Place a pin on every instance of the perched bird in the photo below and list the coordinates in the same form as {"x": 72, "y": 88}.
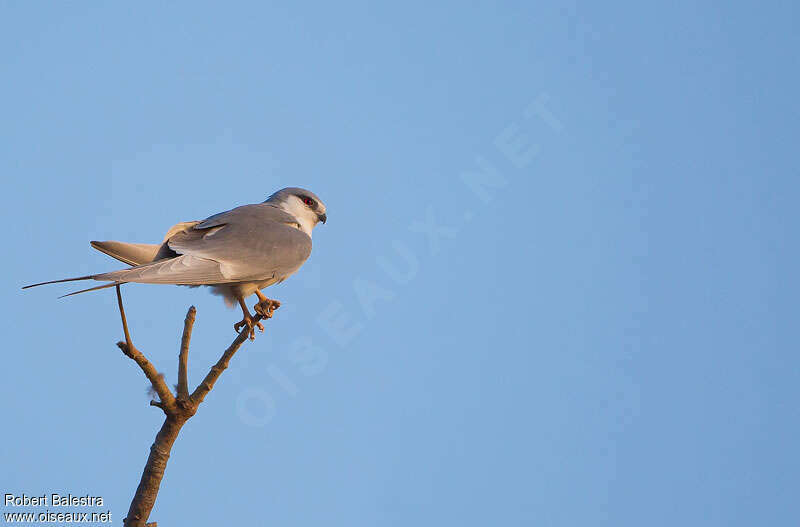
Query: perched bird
{"x": 237, "y": 253}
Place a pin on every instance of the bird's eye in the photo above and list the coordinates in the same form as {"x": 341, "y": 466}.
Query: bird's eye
{"x": 308, "y": 201}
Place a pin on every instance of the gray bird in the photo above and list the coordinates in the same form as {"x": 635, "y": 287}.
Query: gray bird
{"x": 237, "y": 253}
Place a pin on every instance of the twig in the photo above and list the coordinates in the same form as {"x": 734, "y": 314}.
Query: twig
{"x": 124, "y": 320}
{"x": 183, "y": 357}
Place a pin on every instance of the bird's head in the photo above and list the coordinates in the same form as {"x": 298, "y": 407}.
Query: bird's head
{"x": 302, "y": 204}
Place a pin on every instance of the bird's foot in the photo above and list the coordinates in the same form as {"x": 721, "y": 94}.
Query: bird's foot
{"x": 251, "y": 324}
{"x": 266, "y": 307}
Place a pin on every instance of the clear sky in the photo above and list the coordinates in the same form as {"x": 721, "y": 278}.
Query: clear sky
{"x": 557, "y": 285}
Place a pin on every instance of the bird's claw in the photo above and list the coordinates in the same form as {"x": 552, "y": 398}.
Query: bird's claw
{"x": 266, "y": 307}
{"x": 251, "y": 324}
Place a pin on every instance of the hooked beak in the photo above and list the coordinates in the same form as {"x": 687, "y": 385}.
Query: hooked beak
{"x": 322, "y": 217}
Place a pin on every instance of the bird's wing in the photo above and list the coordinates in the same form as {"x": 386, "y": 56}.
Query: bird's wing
{"x": 252, "y": 242}
{"x": 130, "y": 253}
{"x": 178, "y": 227}
{"x": 182, "y": 270}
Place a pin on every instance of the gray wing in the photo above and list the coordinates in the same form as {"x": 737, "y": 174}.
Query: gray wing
{"x": 248, "y": 243}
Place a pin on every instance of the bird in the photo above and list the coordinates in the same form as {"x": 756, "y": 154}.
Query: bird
{"x": 237, "y": 253}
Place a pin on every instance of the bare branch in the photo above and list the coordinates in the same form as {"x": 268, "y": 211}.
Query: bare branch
{"x": 127, "y": 347}
{"x": 124, "y": 320}
{"x": 146, "y": 492}
{"x": 216, "y": 370}
{"x": 183, "y": 357}
{"x": 178, "y": 412}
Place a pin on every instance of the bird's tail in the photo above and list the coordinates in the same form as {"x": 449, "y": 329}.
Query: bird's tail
{"x": 95, "y": 288}
{"x": 87, "y": 277}
{"x": 130, "y": 253}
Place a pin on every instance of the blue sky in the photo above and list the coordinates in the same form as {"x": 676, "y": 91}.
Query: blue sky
{"x": 557, "y": 284}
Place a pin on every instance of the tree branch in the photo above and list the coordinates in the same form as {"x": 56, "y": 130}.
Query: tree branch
{"x": 124, "y": 320}
{"x": 178, "y": 411}
{"x": 127, "y": 347}
{"x": 146, "y": 492}
{"x": 183, "y": 357}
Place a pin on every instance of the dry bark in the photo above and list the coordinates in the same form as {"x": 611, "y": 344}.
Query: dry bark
{"x": 177, "y": 408}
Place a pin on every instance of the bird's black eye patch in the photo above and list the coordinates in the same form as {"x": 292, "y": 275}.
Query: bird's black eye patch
{"x": 308, "y": 201}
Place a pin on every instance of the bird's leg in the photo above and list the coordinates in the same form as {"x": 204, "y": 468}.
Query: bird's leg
{"x": 248, "y": 321}
{"x": 265, "y": 306}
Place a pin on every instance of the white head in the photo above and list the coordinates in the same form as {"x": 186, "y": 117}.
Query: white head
{"x": 303, "y": 204}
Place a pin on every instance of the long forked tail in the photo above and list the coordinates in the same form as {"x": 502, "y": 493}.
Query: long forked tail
{"x": 180, "y": 270}
{"x": 95, "y": 288}
{"x": 87, "y": 277}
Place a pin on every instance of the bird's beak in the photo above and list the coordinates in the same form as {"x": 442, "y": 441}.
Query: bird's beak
{"x": 323, "y": 217}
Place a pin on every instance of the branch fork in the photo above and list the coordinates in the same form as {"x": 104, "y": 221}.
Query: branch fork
{"x": 178, "y": 407}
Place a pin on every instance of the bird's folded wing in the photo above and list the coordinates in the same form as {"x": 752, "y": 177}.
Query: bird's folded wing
{"x": 182, "y": 270}
{"x": 130, "y": 253}
{"x": 252, "y": 242}
{"x": 178, "y": 227}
